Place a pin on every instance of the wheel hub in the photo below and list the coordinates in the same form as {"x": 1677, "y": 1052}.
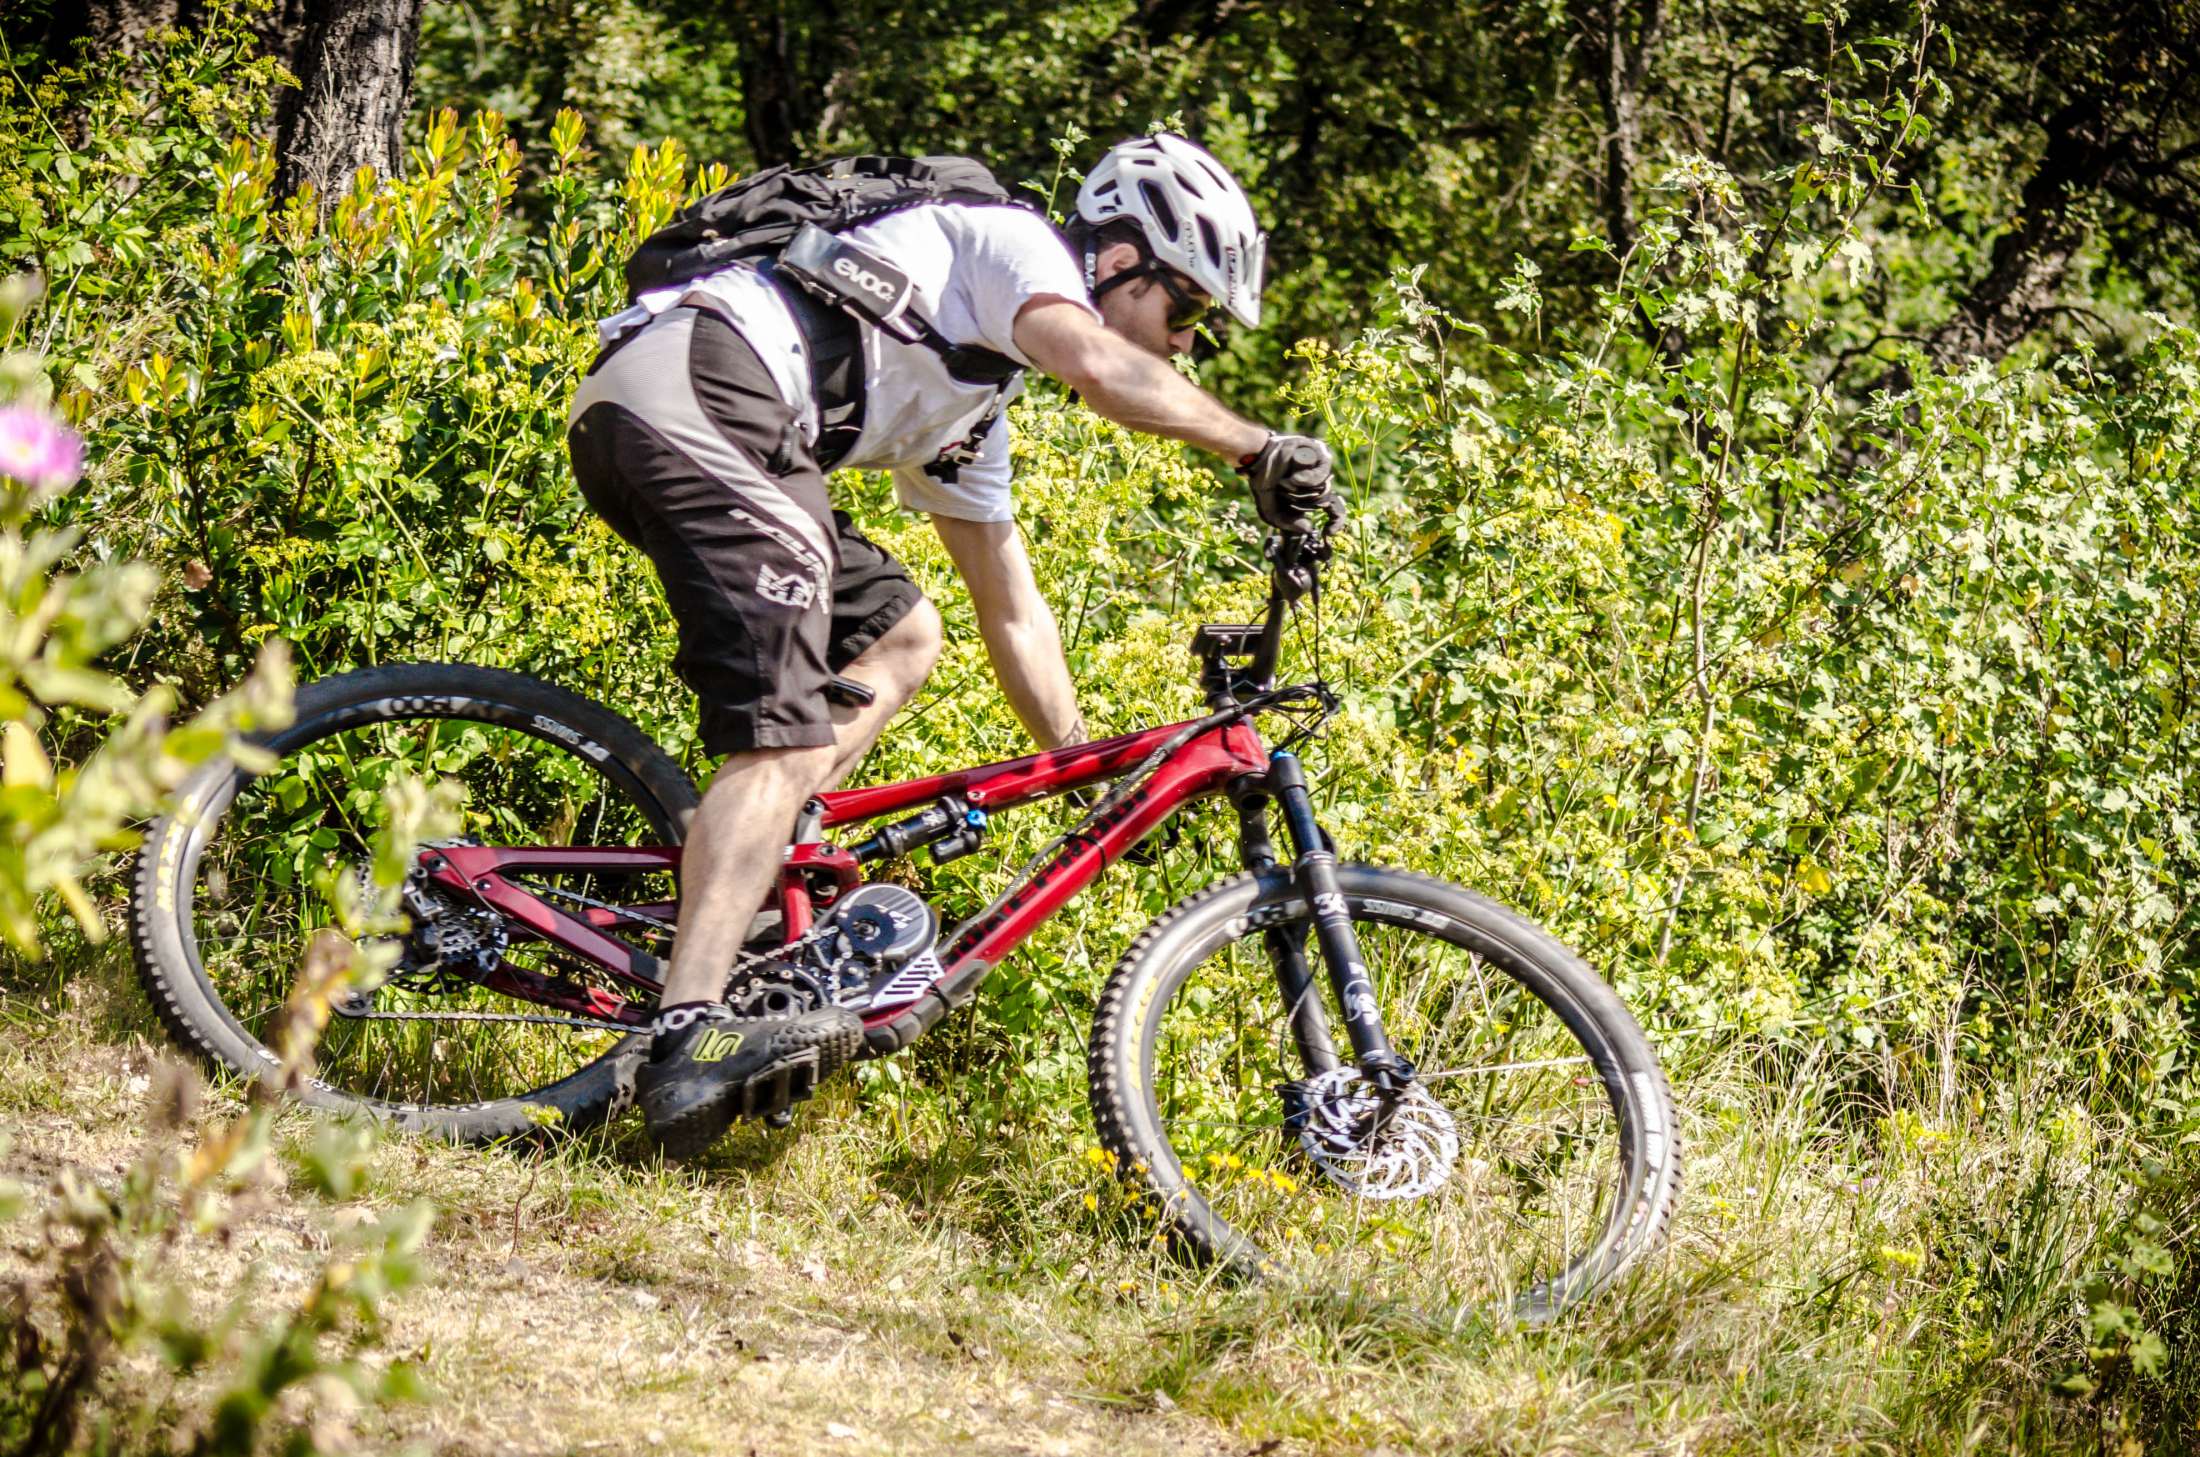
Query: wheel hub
{"x": 1337, "y": 1115}
{"x": 452, "y": 945}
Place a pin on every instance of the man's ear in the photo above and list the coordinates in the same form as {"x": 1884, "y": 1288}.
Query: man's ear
{"x": 1113, "y": 259}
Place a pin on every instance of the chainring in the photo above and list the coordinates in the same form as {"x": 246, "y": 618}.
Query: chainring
{"x": 774, "y": 989}
{"x": 1410, "y": 1156}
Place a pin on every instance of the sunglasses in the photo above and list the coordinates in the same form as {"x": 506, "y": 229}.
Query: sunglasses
{"x": 1186, "y": 310}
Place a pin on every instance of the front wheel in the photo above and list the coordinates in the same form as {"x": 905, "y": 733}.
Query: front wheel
{"x": 1536, "y": 1156}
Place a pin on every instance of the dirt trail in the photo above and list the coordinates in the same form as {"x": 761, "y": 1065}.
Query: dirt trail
{"x": 572, "y": 1327}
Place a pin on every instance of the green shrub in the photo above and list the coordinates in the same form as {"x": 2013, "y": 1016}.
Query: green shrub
{"x": 108, "y": 1273}
{"x": 1808, "y": 717}
{"x": 1852, "y": 737}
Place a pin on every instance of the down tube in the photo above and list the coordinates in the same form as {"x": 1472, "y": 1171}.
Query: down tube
{"x": 1201, "y": 768}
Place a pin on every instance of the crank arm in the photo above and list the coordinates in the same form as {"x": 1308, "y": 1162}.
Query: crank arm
{"x": 1314, "y": 867}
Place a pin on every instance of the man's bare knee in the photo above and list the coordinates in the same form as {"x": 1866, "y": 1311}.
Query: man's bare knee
{"x": 899, "y": 662}
{"x": 769, "y": 776}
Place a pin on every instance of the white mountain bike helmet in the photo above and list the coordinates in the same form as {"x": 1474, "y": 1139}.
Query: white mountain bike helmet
{"x": 1196, "y": 219}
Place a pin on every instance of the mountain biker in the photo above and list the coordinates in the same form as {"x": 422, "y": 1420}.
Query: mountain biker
{"x": 696, "y": 436}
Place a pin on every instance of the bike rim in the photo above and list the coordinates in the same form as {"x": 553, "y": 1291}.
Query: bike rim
{"x": 1512, "y": 1193}
{"x": 254, "y": 891}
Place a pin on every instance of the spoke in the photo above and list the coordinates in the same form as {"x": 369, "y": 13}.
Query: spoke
{"x": 1531, "y": 1184}
{"x": 1502, "y": 1067}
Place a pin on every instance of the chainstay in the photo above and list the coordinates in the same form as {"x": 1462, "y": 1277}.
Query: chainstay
{"x": 743, "y": 962}
{"x": 530, "y": 1018}
{"x": 536, "y": 1019}
{"x": 628, "y": 913}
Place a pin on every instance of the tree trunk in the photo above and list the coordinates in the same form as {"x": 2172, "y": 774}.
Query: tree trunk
{"x": 354, "y": 64}
{"x": 111, "y": 25}
{"x": 770, "y": 94}
{"x": 2025, "y": 274}
{"x": 1618, "y": 69}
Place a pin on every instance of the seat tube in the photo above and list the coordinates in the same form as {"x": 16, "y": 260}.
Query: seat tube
{"x": 1315, "y": 869}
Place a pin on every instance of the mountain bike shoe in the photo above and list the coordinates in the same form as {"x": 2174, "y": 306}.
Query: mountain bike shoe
{"x": 707, "y": 1067}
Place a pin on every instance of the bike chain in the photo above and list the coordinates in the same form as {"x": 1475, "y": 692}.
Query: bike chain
{"x": 531, "y": 1019}
{"x": 598, "y": 905}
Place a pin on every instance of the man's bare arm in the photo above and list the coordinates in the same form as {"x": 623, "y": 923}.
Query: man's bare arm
{"x": 1021, "y": 636}
{"x": 1126, "y": 384}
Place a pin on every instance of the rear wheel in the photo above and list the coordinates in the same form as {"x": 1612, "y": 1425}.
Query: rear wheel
{"x": 230, "y": 887}
{"x": 1535, "y": 1157}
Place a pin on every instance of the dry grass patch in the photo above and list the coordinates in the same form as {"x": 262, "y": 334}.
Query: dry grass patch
{"x": 882, "y": 1278}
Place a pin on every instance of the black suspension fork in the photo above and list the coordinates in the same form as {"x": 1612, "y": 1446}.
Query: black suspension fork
{"x": 1314, "y": 867}
{"x": 1286, "y": 944}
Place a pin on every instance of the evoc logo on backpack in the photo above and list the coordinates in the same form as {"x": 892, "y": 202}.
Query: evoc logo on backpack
{"x": 863, "y": 278}
{"x": 834, "y": 268}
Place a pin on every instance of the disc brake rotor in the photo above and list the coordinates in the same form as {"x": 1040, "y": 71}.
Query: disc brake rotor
{"x": 1409, "y": 1157}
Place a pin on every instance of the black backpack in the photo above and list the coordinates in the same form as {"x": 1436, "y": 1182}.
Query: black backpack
{"x": 785, "y": 218}
{"x": 756, "y": 217}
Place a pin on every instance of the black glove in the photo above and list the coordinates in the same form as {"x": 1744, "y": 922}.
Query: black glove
{"x": 1290, "y": 477}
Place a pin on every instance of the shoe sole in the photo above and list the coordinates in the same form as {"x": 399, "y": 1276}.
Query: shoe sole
{"x": 788, "y": 1079}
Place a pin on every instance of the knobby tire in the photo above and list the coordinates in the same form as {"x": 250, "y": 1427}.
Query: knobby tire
{"x": 649, "y": 788}
{"x": 1179, "y": 959}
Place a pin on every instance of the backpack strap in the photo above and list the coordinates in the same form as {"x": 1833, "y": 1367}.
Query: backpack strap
{"x": 857, "y": 282}
{"x": 947, "y": 466}
{"x": 834, "y": 342}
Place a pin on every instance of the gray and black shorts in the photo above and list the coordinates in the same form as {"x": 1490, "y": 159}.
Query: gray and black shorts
{"x": 681, "y": 442}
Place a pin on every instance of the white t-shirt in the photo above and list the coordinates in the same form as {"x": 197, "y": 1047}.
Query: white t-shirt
{"x": 973, "y": 267}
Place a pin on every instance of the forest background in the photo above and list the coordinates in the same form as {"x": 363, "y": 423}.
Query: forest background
{"x": 1773, "y": 565}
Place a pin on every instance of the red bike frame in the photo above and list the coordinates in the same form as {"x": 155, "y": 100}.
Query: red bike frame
{"x": 818, "y": 872}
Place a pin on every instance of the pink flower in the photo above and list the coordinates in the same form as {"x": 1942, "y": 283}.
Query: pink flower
{"x": 38, "y": 450}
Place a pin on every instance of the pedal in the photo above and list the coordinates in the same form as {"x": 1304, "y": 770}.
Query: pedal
{"x": 848, "y": 693}
{"x": 779, "y": 1118}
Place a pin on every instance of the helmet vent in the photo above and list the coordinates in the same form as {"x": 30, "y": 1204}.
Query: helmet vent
{"x": 1211, "y": 241}
{"x": 1157, "y": 204}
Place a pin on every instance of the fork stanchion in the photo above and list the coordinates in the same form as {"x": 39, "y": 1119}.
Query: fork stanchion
{"x": 1286, "y": 945}
{"x": 1314, "y": 866}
